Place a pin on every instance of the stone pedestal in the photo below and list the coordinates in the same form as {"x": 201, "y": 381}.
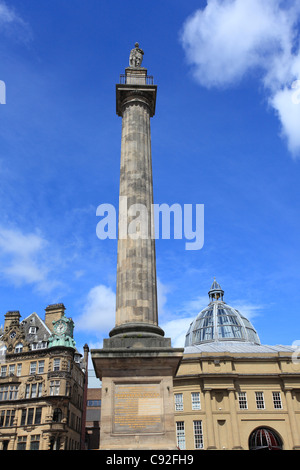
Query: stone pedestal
{"x": 137, "y": 409}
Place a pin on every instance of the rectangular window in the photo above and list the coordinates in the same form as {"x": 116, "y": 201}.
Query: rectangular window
{"x": 11, "y": 369}
{"x": 34, "y": 442}
{"x": 2, "y": 416}
{"x": 32, "y": 368}
{"x": 3, "y": 392}
{"x": 277, "y": 400}
{"x": 33, "y": 390}
{"x": 196, "y": 401}
{"x": 27, "y": 391}
{"x": 56, "y": 364}
{"x": 9, "y": 419}
{"x": 8, "y": 392}
{"x": 178, "y": 401}
{"x": 243, "y": 401}
{"x": 38, "y": 345}
{"x": 30, "y": 415}
{"x": 38, "y": 416}
{"x": 19, "y": 369}
{"x": 13, "y": 392}
{"x": 12, "y": 417}
{"x": 260, "y": 402}
{"x": 198, "y": 435}
{"x": 40, "y": 389}
{"x": 3, "y": 371}
{"x": 94, "y": 403}
{"x": 54, "y": 387}
{"x": 180, "y": 435}
{"x": 41, "y": 367}
{"x": 21, "y": 445}
{"x": 23, "y": 417}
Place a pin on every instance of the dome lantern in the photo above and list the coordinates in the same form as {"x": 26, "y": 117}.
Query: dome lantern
{"x": 215, "y": 292}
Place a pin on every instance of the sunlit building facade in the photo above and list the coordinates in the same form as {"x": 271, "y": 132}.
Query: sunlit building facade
{"x": 231, "y": 391}
{"x": 42, "y": 383}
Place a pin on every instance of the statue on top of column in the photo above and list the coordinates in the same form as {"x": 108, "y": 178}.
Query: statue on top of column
{"x": 136, "y": 56}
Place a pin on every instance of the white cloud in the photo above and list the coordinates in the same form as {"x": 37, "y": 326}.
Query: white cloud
{"x": 7, "y": 15}
{"x": 288, "y": 110}
{"x": 247, "y": 309}
{"x": 162, "y": 291}
{"x": 19, "y": 255}
{"x": 12, "y": 24}
{"x": 230, "y": 38}
{"x": 99, "y": 310}
{"x": 177, "y": 326}
{"x": 176, "y": 329}
{"x": 26, "y": 258}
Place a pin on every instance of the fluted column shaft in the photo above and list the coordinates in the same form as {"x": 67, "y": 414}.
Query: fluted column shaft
{"x": 136, "y": 269}
{"x": 136, "y": 299}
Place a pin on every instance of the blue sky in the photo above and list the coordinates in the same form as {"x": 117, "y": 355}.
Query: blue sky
{"x": 225, "y": 134}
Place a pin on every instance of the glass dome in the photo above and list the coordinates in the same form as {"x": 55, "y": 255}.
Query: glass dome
{"x": 220, "y": 322}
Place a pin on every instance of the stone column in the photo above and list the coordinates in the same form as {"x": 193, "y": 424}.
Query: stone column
{"x": 136, "y": 296}
{"x": 137, "y": 363}
{"x": 292, "y": 419}
{"x": 211, "y": 441}
{"x": 136, "y": 299}
{"x": 234, "y": 420}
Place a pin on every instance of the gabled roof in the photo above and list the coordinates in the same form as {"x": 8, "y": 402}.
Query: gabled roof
{"x": 42, "y": 332}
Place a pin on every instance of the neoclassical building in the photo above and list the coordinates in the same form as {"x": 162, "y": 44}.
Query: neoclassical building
{"x": 231, "y": 391}
{"x": 42, "y": 383}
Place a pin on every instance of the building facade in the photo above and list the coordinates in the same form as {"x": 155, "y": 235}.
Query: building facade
{"x": 42, "y": 383}
{"x": 93, "y": 414}
{"x": 232, "y": 392}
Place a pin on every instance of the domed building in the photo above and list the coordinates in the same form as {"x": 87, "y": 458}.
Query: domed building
{"x": 231, "y": 391}
{"x": 220, "y": 322}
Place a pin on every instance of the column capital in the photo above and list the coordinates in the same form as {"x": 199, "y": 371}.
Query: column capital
{"x": 127, "y": 94}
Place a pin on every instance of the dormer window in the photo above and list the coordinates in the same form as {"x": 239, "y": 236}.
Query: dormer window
{"x": 39, "y": 345}
{"x": 19, "y": 348}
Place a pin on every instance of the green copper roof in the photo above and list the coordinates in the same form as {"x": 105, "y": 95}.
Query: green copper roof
{"x": 62, "y": 340}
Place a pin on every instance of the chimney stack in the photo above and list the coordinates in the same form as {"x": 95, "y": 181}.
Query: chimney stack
{"x": 53, "y": 313}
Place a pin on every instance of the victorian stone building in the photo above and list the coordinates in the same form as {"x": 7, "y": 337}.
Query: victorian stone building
{"x": 42, "y": 383}
{"x": 231, "y": 391}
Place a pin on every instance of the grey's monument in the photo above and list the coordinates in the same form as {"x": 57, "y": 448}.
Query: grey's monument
{"x": 137, "y": 363}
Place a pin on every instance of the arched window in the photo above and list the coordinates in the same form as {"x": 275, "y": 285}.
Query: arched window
{"x": 264, "y": 439}
{"x": 57, "y": 415}
{"x": 18, "y": 348}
